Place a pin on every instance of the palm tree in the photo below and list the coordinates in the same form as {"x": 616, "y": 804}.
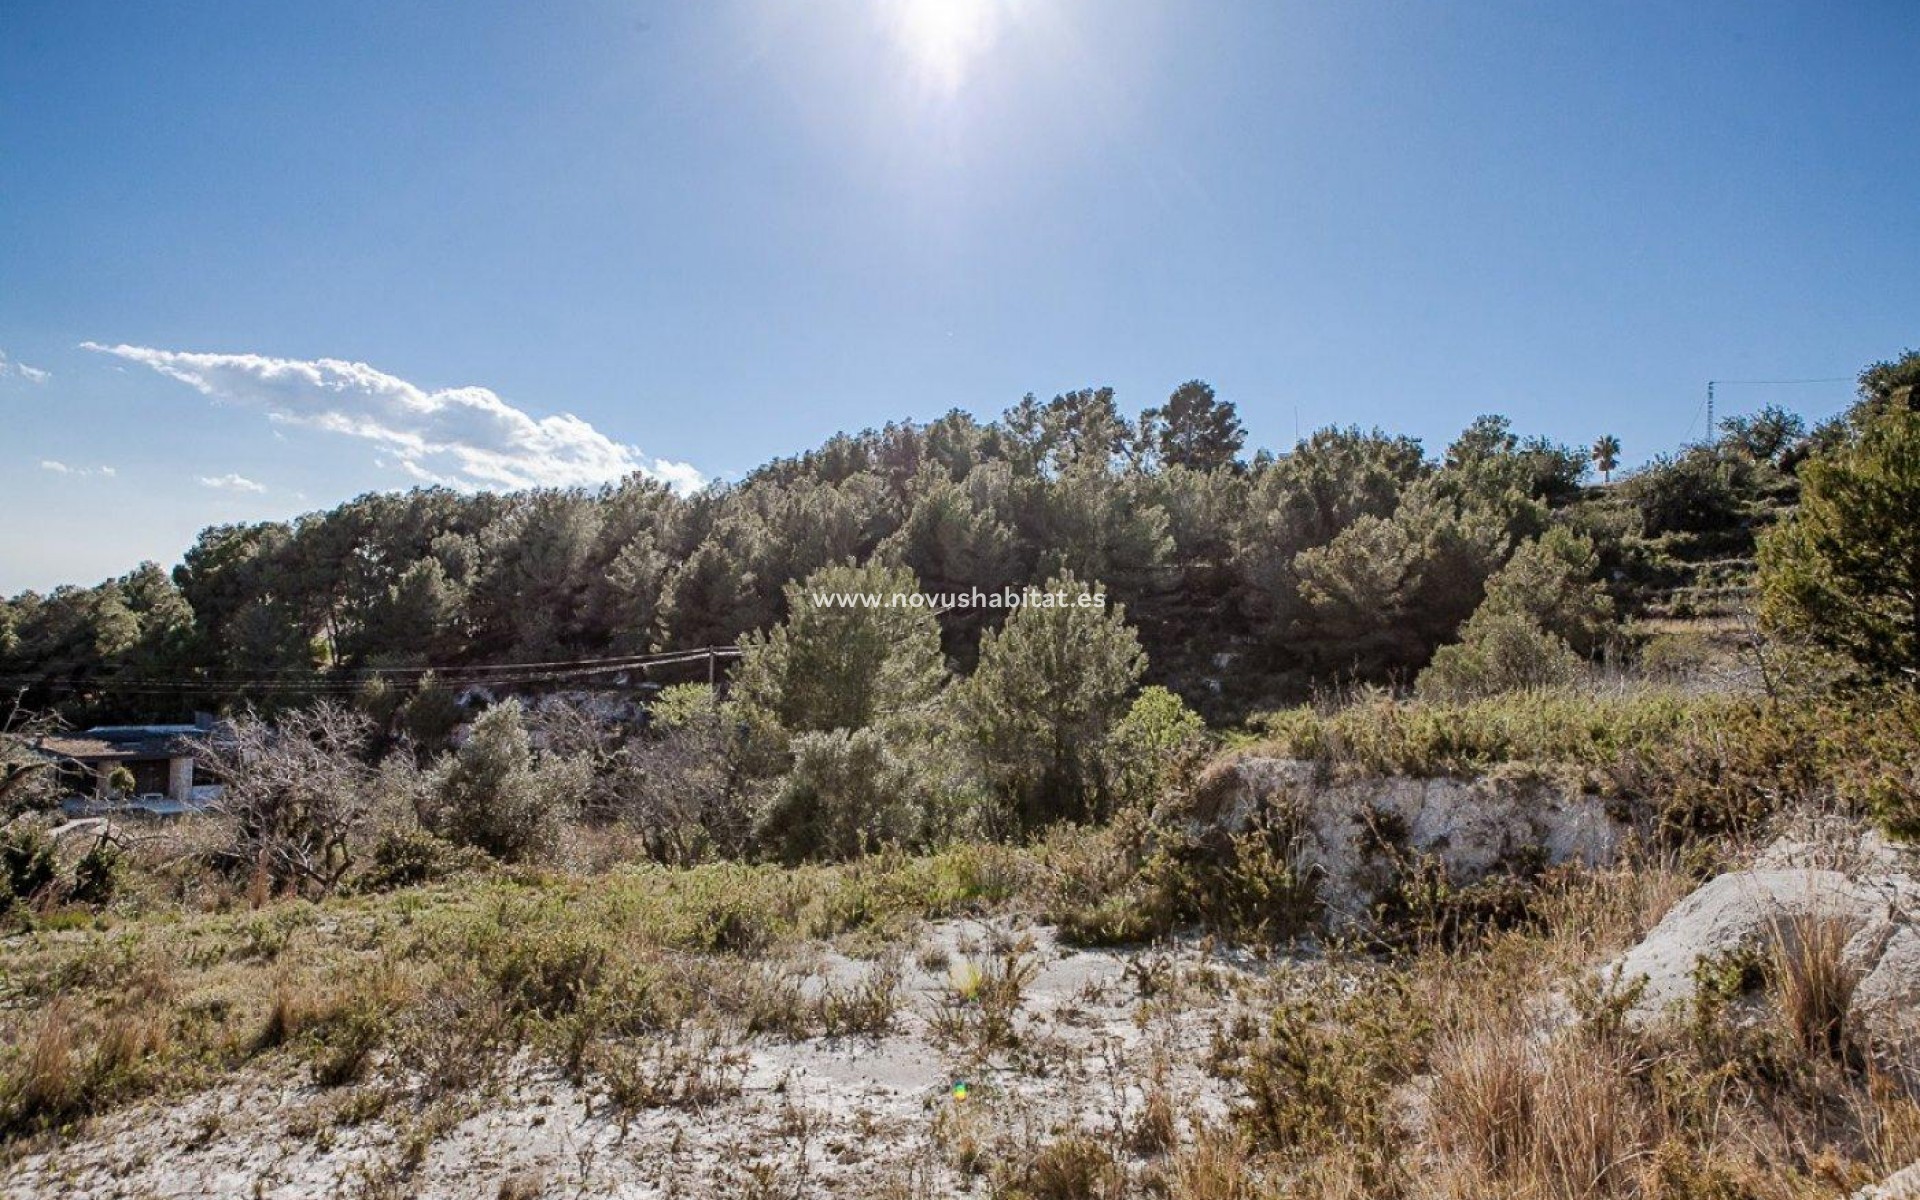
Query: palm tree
{"x": 1606, "y": 455}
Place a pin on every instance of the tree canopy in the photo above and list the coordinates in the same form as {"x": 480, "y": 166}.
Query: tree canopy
{"x": 1844, "y": 570}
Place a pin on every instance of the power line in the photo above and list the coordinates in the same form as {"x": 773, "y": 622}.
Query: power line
{"x": 499, "y": 675}
{"x": 611, "y": 662}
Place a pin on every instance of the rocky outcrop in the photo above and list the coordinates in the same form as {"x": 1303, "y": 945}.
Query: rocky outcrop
{"x": 1869, "y": 907}
{"x": 1354, "y": 828}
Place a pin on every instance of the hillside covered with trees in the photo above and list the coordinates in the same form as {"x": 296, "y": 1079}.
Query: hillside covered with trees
{"x": 1355, "y": 556}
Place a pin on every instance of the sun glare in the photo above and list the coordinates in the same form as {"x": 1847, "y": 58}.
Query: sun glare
{"x": 943, "y": 38}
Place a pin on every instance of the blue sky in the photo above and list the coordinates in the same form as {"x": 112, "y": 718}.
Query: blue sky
{"x": 323, "y": 248}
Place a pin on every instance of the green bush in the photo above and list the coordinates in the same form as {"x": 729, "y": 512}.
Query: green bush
{"x": 1158, "y": 740}
{"x": 1422, "y": 906}
{"x": 1542, "y": 611}
{"x": 847, "y": 795}
{"x": 1134, "y": 880}
{"x": 1259, "y": 890}
{"x": 1879, "y": 747}
{"x": 97, "y": 875}
{"x": 1430, "y": 737}
{"x": 1051, "y": 686}
{"x": 683, "y": 706}
{"x": 1676, "y": 656}
{"x": 548, "y": 971}
{"x": 1844, "y": 570}
{"x": 1499, "y": 652}
{"x": 26, "y": 865}
{"x": 1704, "y": 490}
{"x": 1321, "y": 1076}
{"x": 494, "y": 797}
{"x": 407, "y": 856}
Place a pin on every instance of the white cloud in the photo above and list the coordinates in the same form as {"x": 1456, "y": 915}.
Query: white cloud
{"x": 13, "y": 366}
{"x": 681, "y": 477}
{"x": 60, "y": 468}
{"x": 231, "y": 483}
{"x": 466, "y": 436}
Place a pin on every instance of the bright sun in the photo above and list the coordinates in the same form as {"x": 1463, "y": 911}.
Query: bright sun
{"x": 944, "y": 37}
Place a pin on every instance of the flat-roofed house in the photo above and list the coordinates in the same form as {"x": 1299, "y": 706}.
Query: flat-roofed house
{"x": 160, "y": 758}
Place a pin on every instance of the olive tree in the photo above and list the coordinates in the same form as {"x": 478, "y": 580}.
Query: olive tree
{"x": 493, "y": 795}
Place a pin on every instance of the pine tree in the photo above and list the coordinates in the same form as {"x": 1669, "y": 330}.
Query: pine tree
{"x": 1844, "y": 570}
{"x": 1195, "y": 429}
{"x": 844, "y": 665}
{"x": 1052, "y": 682}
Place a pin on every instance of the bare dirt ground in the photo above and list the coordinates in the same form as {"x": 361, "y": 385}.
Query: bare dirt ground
{"x": 1098, "y": 1043}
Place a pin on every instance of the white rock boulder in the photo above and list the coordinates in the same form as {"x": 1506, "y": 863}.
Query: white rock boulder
{"x": 1755, "y": 911}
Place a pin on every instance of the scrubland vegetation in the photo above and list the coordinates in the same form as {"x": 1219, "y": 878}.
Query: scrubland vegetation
{"x": 893, "y": 831}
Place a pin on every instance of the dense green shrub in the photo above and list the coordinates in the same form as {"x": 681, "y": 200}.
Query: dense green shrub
{"x": 493, "y": 796}
{"x": 1321, "y": 1075}
{"x": 1136, "y": 879}
{"x": 1158, "y": 740}
{"x": 27, "y": 866}
{"x": 1259, "y": 889}
{"x": 1542, "y": 611}
{"x": 1876, "y": 752}
{"x": 96, "y": 876}
{"x": 1703, "y": 490}
{"x": 404, "y": 857}
{"x": 848, "y": 794}
{"x": 1844, "y": 570}
{"x": 1499, "y": 652}
{"x": 1423, "y": 906}
{"x": 1429, "y": 738}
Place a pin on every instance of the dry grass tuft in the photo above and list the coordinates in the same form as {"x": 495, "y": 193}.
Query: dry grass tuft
{"x": 1588, "y": 1125}
{"x": 1561, "y": 1122}
{"x": 865, "y": 1006}
{"x": 1484, "y": 1092}
{"x": 980, "y": 1015}
{"x": 691, "y": 1072}
{"x": 47, "y": 1087}
{"x": 1813, "y": 983}
{"x": 292, "y": 1009}
{"x": 1216, "y": 1166}
{"x": 1156, "y": 1128}
{"x": 521, "y": 1186}
{"x": 1074, "y": 1167}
